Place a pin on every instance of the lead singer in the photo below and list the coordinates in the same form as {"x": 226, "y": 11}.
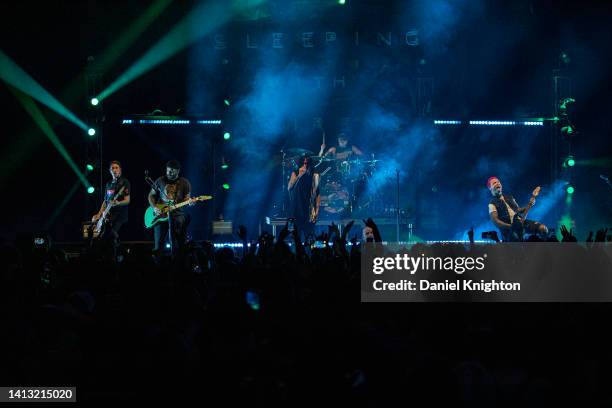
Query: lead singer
{"x": 304, "y": 197}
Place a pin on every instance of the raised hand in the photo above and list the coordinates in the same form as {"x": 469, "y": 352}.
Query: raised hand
{"x": 333, "y": 229}
{"x": 601, "y": 235}
{"x": 568, "y": 236}
{"x": 590, "y": 237}
{"x": 284, "y": 233}
{"x": 370, "y": 223}
{"x": 346, "y": 230}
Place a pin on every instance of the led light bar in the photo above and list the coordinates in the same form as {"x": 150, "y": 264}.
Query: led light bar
{"x": 171, "y": 121}
{"x": 447, "y": 122}
{"x": 493, "y": 122}
{"x": 208, "y": 122}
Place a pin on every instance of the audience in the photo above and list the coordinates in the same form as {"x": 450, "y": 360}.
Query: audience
{"x": 280, "y": 321}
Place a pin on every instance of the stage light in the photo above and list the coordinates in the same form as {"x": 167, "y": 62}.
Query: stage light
{"x": 569, "y": 189}
{"x": 227, "y": 135}
{"x": 168, "y": 246}
{"x": 91, "y": 189}
{"x": 447, "y": 122}
{"x": 89, "y": 167}
{"x": 569, "y": 162}
{"x": 342, "y": 2}
{"x": 164, "y": 122}
{"x": 493, "y": 122}
{"x": 209, "y": 122}
{"x": 564, "y": 58}
{"x": 226, "y": 102}
{"x": 567, "y": 130}
{"x": 94, "y": 101}
{"x": 226, "y": 186}
{"x": 91, "y": 132}
{"x": 224, "y": 164}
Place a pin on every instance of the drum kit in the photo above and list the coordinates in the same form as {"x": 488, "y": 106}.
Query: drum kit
{"x": 343, "y": 181}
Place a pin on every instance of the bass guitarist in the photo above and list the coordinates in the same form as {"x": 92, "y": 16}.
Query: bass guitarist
{"x": 170, "y": 189}
{"x": 117, "y": 198}
{"x": 508, "y": 217}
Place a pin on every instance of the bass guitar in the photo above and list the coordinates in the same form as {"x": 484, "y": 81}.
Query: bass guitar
{"x": 97, "y": 230}
{"x": 151, "y": 219}
{"x": 518, "y": 230}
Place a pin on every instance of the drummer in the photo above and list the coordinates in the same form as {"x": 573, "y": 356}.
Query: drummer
{"x": 343, "y": 151}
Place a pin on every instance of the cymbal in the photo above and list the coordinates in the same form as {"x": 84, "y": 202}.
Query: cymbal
{"x": 296, "y": 151}
{"x": 322, "y": 158}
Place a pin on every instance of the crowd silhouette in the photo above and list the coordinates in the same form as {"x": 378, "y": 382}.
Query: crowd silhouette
{"x": 280, "y": 321}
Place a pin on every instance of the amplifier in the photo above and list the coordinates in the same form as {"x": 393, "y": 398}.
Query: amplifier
{"x": 222, "y": 228}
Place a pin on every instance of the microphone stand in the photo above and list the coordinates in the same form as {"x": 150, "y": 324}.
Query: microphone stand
{"x": 397, "y": 210}
{"x": 151, "y": 183}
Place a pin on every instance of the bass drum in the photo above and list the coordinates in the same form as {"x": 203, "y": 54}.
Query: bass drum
{"x": 335, "y": 200}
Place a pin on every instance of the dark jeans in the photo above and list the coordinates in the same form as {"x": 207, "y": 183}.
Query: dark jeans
{"x": 109, "y": 240}
{"x": 179, "y": 233}
{"x": 529, "y": 227}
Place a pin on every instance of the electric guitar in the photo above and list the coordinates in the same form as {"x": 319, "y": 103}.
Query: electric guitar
{"x": 151, "y": 219}
{"x": 517, "y": 230}
{"x": 102, "y": 220}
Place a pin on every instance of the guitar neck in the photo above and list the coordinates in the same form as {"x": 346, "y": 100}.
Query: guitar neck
{"x": 528, "y": 206}
{"x": 179, "y": 205}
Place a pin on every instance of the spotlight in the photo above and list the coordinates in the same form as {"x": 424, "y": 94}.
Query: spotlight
{"x": 567, "y": 130}
{"x": 226, "y": 186}
{"x": 91, "y": 189}
{"x": 94, "y": 101}
{"x": 168, "y": 246}
{"x": 569, "y": 162}
{"x": 91, "y": 132}
{"x": 564, "y": 58}
{"x": 227, "y": 135}
{"x": 226, "y": 102}
{"x": 224, "y": 164}
{"x": 342, "y": 2}
{"x": 89, "y": 167}
{"x": 569, "y": 189}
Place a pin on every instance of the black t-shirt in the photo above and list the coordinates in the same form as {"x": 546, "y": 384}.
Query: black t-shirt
{"x": 173, "y": 191}
{"x": 112, "y": 188}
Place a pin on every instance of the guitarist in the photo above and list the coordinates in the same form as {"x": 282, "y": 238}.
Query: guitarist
{"x": 502, "y": 210}
{"x": 117, "y": 195}
{"x": 170, "y": 189}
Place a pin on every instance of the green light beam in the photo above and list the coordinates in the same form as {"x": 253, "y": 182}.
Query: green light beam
{"x": 41, "y": 121}
{"x": 13, "y": 75}
{"x": 605, "y": 162}
{"x": 197, "y": 24}
{"x": 27, "y": 142}
{"x": 58, "y": 210}
{"x": 129, "y": 36}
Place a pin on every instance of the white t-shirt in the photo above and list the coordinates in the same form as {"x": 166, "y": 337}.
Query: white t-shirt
{"x": 511, "y": 212}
